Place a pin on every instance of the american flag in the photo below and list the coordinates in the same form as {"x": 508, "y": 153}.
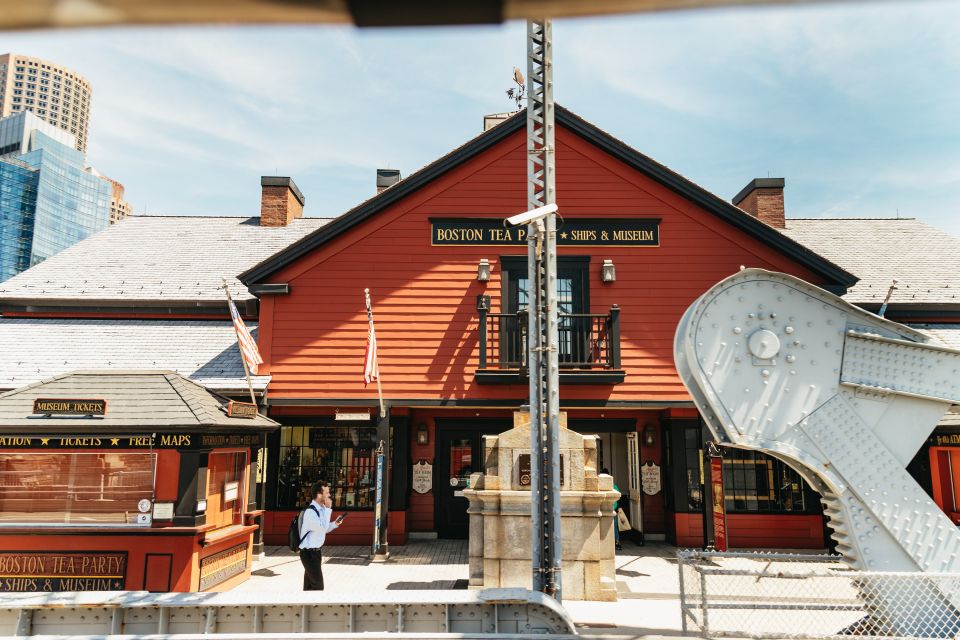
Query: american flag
{"x": 371, "y": 368}
{"x": 248, "y": 346}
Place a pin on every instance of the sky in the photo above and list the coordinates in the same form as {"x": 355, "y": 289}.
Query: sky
{"x": 855, "y": 105}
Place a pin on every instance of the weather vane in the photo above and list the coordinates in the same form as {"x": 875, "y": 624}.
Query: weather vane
{"x": 518, "y": 94}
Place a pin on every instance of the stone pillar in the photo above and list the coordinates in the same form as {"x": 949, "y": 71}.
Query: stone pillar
{"x": 499, "y": 513}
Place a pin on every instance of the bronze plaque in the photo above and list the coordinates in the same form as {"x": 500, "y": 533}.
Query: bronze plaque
{"x": 523, "y": 463}
{"x": 222, "y": 566}
{"x": 69, "y": 407}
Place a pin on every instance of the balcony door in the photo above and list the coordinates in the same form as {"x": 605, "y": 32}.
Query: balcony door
{"x": 573, "y": 299}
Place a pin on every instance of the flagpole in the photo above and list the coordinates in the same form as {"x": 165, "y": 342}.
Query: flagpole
{"x": 366, "y": 295}
{"x": 246, "y": 369}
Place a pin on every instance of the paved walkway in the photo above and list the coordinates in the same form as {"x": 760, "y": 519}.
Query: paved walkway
{"x": 647, "y": 581}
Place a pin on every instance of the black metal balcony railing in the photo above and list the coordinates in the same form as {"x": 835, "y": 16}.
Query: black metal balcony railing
{"x": 587, "y": 341}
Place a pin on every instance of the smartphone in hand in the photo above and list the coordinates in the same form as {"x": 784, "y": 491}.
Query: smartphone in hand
{"x": 340, "y": 518}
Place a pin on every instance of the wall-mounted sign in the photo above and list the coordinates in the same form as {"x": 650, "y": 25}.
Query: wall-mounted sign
{"x": 127, "y": 441}
{"x": 571, "y": 232}
{"x": 523, "y": 469}
{"x": 650, "y": 478}
{"x": 163, "y": 511}
{"x": 69, "y": 407}
{"x": 946, "y": 440}
{"x": 422, "y": 477}
{"x": 222, "y": 566}
{"x": 231, "y": 490}
{"x": 26, "y": 571}
{"x": 241, "y": 409}
{"x": 355, "y": 415}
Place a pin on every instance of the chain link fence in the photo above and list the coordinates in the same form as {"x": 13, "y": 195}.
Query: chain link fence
{"x": 780, "y": 595}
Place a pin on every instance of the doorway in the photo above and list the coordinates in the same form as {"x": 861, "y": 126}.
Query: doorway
{"x": 459, "y": 454}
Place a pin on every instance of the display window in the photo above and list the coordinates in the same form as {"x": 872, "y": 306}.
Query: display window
{"x": 76, "y": 489}
{"x": 344, "y": 456}
{"x": 753, "y": 482}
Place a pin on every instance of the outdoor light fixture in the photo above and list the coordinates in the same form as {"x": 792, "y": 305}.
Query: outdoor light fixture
{"x": 423, "y": 436}
{"x": 608, "y": 273}
{"x": 649, "y": 435}
{"x": 483, "y": 270}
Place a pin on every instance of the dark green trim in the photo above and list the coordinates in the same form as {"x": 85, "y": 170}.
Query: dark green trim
{"x": 833, "y": 274}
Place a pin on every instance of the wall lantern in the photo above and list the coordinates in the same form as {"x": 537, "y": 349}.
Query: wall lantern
{"x": 423, "y": 436}
{"x": 483, "y": 270}
{"x": 608, "y": 273}
{"x": 649, "y": 435}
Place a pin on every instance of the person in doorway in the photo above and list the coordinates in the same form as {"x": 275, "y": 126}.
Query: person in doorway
{"x": 616, "y": 509}
{"x": 315, "y": 524}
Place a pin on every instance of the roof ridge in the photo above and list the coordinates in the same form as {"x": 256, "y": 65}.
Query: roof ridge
{"x": 174, "y": 380}
{"x": 591, "y": 134}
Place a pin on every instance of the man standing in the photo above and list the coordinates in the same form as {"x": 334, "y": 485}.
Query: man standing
{"x": 315, "y": 524}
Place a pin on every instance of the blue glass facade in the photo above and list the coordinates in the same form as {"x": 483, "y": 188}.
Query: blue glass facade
{"x": 68, "y": 204}
{"x": 18, "y": 201}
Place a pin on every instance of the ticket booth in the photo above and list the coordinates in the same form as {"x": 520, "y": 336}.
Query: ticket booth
{"x": 126, "y": 481}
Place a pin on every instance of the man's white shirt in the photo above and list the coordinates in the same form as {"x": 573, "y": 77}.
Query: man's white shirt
{"x": 314, "y": 528}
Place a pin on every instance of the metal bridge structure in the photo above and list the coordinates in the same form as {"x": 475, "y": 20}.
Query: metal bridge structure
{"x": 181, "y": 616}
{"x": 846, "y": 398}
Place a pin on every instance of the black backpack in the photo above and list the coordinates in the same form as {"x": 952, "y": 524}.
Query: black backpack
{"x": 294, "y": 539}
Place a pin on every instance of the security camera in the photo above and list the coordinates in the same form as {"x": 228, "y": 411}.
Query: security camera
{"x": 530, "y": 216}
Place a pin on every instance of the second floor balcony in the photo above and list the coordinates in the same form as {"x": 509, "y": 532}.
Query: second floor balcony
{"x": 588, "y": 347}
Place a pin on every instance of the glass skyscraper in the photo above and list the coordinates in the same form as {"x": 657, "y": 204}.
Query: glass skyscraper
{"x": 48, "y": 201}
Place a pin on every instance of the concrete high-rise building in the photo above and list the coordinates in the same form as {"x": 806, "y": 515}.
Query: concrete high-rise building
{"x": 119, "y": 208}
{"x": 49, "y": 199}
{"x": 56, "y": 94}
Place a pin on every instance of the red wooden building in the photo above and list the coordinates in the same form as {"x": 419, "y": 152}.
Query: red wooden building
{"x": 451, "y": 339}
{"x": 638, "y": 243}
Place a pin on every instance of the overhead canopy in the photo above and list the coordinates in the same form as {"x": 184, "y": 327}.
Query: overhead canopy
{"x": 16, "y": 14}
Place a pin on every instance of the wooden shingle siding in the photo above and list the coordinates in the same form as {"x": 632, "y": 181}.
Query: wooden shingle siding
{"x": 424, "y": 297}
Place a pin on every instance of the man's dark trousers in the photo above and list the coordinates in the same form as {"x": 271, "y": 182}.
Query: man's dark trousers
{"x": 312, "y": 560}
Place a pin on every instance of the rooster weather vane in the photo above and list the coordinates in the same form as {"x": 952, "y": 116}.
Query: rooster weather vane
{"x": 518, "y": 94}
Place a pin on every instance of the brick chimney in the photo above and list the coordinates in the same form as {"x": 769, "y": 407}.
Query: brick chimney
{"x": 281, "y": 201}
{"x": 386, "y": 178}
{"x": 763, "y": 199}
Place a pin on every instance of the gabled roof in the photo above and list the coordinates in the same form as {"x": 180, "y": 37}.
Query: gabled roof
{"x": 839, "y": 278}
{"x": 136, "y": 401}
{"x": 170, "y": 260}
{"x": 924, "y": 260}
{"x": 35, "y": 349}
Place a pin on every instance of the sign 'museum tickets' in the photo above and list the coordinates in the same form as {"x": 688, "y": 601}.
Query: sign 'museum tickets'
{"x": 574, "y": 232}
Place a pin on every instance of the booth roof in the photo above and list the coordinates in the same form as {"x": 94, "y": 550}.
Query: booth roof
{"x": 136, "y": 401}
{"x": 205, "y": 351}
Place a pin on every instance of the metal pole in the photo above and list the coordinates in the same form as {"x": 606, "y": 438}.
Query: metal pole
{"x": 543, "y": 332}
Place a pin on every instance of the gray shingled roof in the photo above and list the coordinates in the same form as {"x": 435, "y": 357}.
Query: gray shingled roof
{"x": 948, "y": 334}
{"x": 205, "y": 351}
{"x": 157, "y": 258}
{"x": 923, "y": 259}
{"x": 136, "y": 400}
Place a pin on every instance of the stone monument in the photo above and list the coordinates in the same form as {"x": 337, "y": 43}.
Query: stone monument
{"x": 499, "y": 511}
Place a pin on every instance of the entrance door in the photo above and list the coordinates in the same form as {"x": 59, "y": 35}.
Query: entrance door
{"x": 459, "y": 454}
